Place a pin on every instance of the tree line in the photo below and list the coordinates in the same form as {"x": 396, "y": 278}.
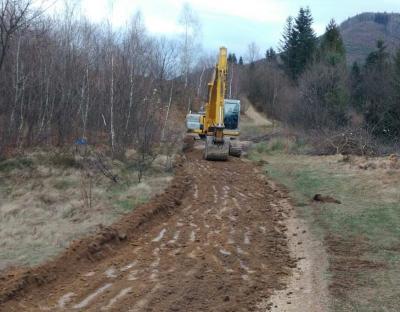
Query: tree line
{"x": 308, "y": 84}
{"x": 65, "y": 78}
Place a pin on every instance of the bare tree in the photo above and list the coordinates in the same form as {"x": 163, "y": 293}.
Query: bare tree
{"x": 191, "y": 30}
{"x": 253, "y": 52}
{"x": 64, "y": 78}
{"x": 148, "y": 132}
{"x": 15, "y": 16}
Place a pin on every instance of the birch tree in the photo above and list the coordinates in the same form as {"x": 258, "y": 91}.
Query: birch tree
{"x": 190, "y": 23}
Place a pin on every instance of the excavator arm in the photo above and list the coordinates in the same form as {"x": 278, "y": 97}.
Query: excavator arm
{"x": 217, "y": 146}
{"x": 214, "y": 118}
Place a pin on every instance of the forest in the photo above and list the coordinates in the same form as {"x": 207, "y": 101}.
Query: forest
{"x": 309, "y": 87}
{"x": 65, "y": 79}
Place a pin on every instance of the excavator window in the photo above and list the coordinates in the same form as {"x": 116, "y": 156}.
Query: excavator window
{"x": 231, "y": 114}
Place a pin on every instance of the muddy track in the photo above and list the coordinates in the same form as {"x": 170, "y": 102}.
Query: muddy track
{"x": 214, "y": 242}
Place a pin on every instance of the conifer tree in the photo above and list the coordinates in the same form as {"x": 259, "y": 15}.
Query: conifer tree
{"x": 396, "y": 78}
{"x": 378, "y": 59}
{"x": 377, "y": 90}
{"x": 306, "y": 41}
{"x": 298, "y": 43}
{"x": 394, "y": 113}
{"x": 270, "y": 55}
{"x": 356, "y": 87}
{"x": 332, "y": 48}
{"x": 288, "y": 48}
{"x": 234, "y": 59}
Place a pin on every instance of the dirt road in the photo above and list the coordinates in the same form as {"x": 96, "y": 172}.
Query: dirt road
{"x": 214, "y": 242}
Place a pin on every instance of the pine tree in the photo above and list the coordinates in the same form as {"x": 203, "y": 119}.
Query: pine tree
{"x": 378, "y": 91}
{"x": 240, "y": 60}
{"x": 396, "y": 79}
{"x": 306, "y": 40}
{"x": 332, "y": 48}
{"x": 325, "y": 78}
{"x": 270, "y": 55}
{"x": 298, "y": 43}
{"x": 393, "y": 115}
{"x": 234, "y": 59}
{"x": 288, "y": 48}
{"x": 378, "y": 59}
{"x": 356, "y": 87}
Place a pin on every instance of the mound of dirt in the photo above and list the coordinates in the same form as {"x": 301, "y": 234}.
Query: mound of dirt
{"x": 326, "y": 199}
{"x": 347, "y": 262}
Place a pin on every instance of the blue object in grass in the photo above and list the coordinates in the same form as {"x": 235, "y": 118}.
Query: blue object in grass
{"x": 81, "y": 142}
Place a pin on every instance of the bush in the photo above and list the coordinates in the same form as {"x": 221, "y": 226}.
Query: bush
{"x": 345, "y": 141}
{"x": 277, "y": 144}
{"x": 324, "y": 98}
{"x": 15, "y": 163}
{"x": 64, "y": 160}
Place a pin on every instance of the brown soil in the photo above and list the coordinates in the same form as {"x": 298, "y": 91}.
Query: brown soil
{"x": 347, "y": 262}
{"x": 215, "y": 241}
{"x": 307, "y": 288}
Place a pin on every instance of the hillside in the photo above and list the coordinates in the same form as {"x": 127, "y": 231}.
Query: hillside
{"x": 361, "y": 32}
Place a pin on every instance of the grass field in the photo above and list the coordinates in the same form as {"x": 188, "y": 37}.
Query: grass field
{"x": 361, "y": 235}
{"x": 48, "y": 199}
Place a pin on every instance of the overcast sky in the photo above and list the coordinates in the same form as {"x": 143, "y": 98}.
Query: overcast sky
{"x": 234, "y": 23}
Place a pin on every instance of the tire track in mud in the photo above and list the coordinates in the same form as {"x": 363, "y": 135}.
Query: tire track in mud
{"x": 220, "y": 249}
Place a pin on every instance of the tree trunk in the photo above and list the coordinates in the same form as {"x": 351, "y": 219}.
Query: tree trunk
{"x": 112, "y": 130}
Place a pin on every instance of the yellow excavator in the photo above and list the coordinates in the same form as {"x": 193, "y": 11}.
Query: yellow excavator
{"x": 219, "y": 124}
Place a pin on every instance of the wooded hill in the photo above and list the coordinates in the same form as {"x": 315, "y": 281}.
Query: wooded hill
{"x": 361, "y": 32}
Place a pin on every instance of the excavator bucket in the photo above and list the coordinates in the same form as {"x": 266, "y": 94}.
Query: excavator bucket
{"x": 216, "y": 151}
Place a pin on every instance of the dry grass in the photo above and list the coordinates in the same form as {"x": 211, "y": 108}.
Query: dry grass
{"x": 42, "y": 208}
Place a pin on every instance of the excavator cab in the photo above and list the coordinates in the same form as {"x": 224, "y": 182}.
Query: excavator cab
{"x": 232, "y": 116}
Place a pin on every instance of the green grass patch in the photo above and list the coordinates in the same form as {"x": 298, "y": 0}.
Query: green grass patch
{"x": 129, "y": 204}
{"x": 279, "y": 144}
{"x": 365, "y": 212}
{"x": 15, "y": 163}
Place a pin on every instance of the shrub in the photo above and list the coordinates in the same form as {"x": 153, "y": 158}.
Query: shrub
{"x": 64, "y": 160}
{"x": 15, "y": 163}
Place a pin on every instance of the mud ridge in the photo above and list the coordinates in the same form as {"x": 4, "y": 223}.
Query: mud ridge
{"x": 104, "y": 243}
{"x": 215, "y": 241}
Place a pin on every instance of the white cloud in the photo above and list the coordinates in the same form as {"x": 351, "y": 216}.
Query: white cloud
{"x": 161, "y": 26}
{"x": 319, "y": 28}
{"x": 96, "y": 10}
{"x": 162, "y": 15}
{"x": 234, "y": 22}
{"x": 253, "y": 10}
{"x": 230, "y": 22}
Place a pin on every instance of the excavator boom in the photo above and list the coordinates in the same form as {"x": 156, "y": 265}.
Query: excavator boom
{"x": 216, "y": 94}
{"x": 216, "y": 125}
{"x": 217, "y": 146}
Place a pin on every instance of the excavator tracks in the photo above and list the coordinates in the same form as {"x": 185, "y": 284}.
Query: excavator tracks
{"x": 235, "y": 148}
